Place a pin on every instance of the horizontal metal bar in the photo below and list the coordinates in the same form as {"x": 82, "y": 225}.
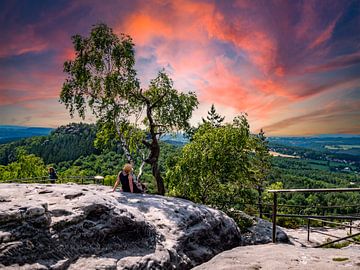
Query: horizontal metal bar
{"x": 325, "y": 217}
{"x": 311, "y": 206}
{"x": 336, "y": 223}
{"x": 337, "y": 237}
{"x": 314, "y": 190}
{"x": 338, "y": 240}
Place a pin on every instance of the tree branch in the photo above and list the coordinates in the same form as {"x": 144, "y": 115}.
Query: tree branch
{"x": 146, "y": 143}
{"x": 158, "y": 100}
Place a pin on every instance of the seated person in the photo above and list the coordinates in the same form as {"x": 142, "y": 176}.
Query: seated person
{"x": 126, "y": 179}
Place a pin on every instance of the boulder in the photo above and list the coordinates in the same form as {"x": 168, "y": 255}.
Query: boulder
{"x": 89, "y": 227}
{"x": 260, "y": 231}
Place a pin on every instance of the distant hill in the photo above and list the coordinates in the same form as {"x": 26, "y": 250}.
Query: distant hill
{"x": 178, "y": 139}
{"x": 337, "y": 148}
{"x": 14, "y": 133}
{"x": 65, "y": 143}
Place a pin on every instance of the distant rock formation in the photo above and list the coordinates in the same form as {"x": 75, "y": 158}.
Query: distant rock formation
{"x": 88, "y": 227}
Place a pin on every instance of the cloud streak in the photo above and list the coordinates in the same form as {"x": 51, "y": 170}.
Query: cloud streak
{"x": 266, "y": 58}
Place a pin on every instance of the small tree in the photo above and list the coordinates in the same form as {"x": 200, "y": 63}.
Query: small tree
{"x": 26, "y": 166}
{"x": 215, "y": 168}
{"x": 264, "y": 166}
{"x": 213, "y": 117}
{"x": 103, "y": 77}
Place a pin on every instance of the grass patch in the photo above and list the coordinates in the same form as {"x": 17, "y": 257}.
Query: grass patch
{"x": 340, "y": 259}
{"x": 337, "y": 245}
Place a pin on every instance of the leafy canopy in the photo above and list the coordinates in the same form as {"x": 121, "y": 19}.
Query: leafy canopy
{"x": 103, "y": 77}
{"x": 217, "y": 166}
{"x": 26, "y": 166}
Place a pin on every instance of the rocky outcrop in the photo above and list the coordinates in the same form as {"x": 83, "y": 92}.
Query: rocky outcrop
{"x": 260, "y": 231}
{"x": 89, "y": 227}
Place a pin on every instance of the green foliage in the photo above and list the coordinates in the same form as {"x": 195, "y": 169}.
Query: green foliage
{"x": 300, "y": 173}
{"x": 102, "y": 74}
{"x": 65, "y": 143}
{"x": 106, "y": 164}
{"x": 110, "y": 180}
{"x": 337, "y": 245}
{"x": 26, "y": 166}
{"x": 171, "y": 109}
{"x": 103, "y": 77}
{"x": 213, "y": 119}
{"x": 242, "y": 220}
{"x": 340, "y": 259}
{"x": 217, "y": 167}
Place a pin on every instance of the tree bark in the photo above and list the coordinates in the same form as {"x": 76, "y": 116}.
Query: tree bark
{"x": 159, "y": 179}
{"x": 124, "y": 146}
{"x": 154, "y": 148}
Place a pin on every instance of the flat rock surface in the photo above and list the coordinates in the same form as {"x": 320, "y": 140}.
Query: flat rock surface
{"x": 284, "y": 256}
{"x": 319, "y": 235}
{"x": 72, "y": 226}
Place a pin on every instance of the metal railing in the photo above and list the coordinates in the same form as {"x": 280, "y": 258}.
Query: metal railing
{"x": 61, "y": 179}
{"x": 311, "y": 217}
{"x": 338, "y": 238}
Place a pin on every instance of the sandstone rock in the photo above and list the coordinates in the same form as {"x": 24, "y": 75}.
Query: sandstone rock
{"x": 284, "y": 257}
{"x": 258, "y": 231}
{"x": 77, "y": 227}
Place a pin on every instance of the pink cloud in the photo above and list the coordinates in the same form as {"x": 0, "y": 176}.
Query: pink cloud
{"x": 24, "y": 42}
{"x": 325, "y": 35}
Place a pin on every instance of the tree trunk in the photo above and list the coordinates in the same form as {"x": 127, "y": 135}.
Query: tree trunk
{"x": 154, "y": 148}
{"x": 153, "y": 160}
{"x": 124, "y": 146}
{"x": 159, "y": 180}
{"x": 141, "y": 168}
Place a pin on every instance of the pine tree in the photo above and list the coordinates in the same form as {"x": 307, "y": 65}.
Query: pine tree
{"x": 264, "y": 159}
{"x": 213, "y": 117}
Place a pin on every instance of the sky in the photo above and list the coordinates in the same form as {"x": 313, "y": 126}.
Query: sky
{"x": 292, "y": 66}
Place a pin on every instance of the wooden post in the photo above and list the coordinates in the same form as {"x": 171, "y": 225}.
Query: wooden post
{"x": 351, "y": 227}
{"x": 308, "y": 230}
{"x": 274, "y": 218}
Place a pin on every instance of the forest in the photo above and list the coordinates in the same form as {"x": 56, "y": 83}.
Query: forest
{"x": 71, "y": 150}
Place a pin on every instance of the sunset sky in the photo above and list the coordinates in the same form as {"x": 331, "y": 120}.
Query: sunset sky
{"x": 292, "y": 66}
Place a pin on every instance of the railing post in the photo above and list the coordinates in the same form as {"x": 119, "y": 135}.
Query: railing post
{"x": 350, "y": 227}
{"x": 308, "y": 230}
{"x": 259, "y": 188}
{"x": 274, "y": 218}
